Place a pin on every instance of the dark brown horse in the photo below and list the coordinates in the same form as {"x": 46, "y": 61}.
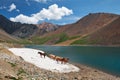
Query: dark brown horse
{"x": 42, "y": 54}
{"x": 65, "y": 60}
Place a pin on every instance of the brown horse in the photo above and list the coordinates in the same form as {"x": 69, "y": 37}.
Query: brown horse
{"x": 58, "y": 58}
{"x": 65, "y": 60}
{"x": 52, "y": 56}
{"x": 61, "y": 59}
{"x": 42, "y": 54}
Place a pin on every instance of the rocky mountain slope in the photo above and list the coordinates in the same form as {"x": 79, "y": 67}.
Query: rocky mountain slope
{"x": 89, "y": 25}
{"x": 46, "y": 28}
{"x": 109, "y": 35}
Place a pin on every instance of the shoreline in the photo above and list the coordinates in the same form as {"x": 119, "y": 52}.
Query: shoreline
{"x": 101, "y": 70}
{"x": 89, "y": 45}
{"x": 79, "y": 45}
{"x": 92, "y": 70}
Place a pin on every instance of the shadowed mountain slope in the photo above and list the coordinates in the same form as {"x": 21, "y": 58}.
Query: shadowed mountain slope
{"x": 17, "y": 29}
{"x": 25, "y": 30}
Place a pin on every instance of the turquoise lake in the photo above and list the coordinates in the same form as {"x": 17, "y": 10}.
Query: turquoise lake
{"x": 104, "y": 58}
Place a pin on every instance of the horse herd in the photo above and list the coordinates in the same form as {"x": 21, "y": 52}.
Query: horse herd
{"x": 54, "y": 57}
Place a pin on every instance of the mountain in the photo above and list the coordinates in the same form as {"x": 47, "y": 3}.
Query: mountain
{"x": 87, "y": 26}
{"x": 91, "y": 22}
{"x": 93, "y": 29}
{"x": 46, "y": 28}
{"x": 20, "y": 30}
{"x": 109, "y": 35}
{"x": 17, "y": 29}
{"x": 7, "y": 25}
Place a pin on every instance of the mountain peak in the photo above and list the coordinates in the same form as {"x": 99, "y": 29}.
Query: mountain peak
{"x": 46, "y": 27}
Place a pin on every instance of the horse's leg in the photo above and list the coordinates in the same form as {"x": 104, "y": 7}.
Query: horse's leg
{"x": 44, "y": 55}
{"x": 57, "y": 61}
{"x": 61, "y": 62}
{"x": 41, "y": 55}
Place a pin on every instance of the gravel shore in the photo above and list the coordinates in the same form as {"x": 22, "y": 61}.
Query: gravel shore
{"x": 15, "y": 68}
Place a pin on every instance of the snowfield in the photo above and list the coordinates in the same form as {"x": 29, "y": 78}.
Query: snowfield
{"x": 32, "y": 56}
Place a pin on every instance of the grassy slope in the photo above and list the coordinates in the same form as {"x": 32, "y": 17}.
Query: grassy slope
{"x": 54, "y": 39}
{"x": 43, "y": 40}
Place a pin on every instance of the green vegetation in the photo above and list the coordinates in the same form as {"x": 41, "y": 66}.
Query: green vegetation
{"x": 24, "y": 41}
{"x": 84, "y": 41}
{"x": 8, "y": 41}
{"x": 81, "y": 41}
{"x": 73, "y": 37}
{"x": 12, "y": 64}
{"x": 21, "y": 71}
{"x": 40, "y": 40}
{"x": 55, "y": 39}
{"x": 13, "y": 78}
{"x": 62, "y": 37}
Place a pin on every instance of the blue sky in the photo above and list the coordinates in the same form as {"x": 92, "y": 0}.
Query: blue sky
{"x": 55, "y": 11}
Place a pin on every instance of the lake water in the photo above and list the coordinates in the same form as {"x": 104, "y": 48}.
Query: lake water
{"x": 103, "y": 58}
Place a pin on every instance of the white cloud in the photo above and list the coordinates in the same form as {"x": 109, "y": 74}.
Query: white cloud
{"x": 52, "y": 13}
{"x": 44, "y": 1}
{"x": 24, "y": 19}
{"x": 12, "y": 7}
{"x": 17, "y": 10}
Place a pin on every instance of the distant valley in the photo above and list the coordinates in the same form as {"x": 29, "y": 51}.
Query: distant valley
{"x": 93, "y": 29}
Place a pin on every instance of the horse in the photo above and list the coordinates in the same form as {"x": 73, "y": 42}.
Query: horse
{"x": 65, "y": 60}
{"x": 52, "y": 56}
{"x": 42, "y": 54}
{"x": 58, "y": 58}
{"x": 62, "y": 59}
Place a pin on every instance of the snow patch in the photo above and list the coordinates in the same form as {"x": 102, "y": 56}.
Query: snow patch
{"x": 32, "y": 56}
